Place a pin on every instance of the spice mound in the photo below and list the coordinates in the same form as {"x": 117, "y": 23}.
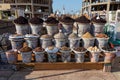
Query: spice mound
{"x": 73, "y": 35}
{"x": 67, "y": 19}
{"x": 46, "y": 36}
{"x": 87, "y": 35}
{"x": 21, "y": 20}
{"x": 51, "y": 47}
{"x": 82, "y": 19}
{"x": 93, "y": 49}
{"x": 36, "y": 20}
{"x": 25, "y": 49}
{"x": 80, "y": 49}
{"x": 64, "y": 48}
{"x": 108, "y": 48}
{"x": 38, "y": 49}
{"x": 60, "y": 35}
{"x": 101, "y": 35}
{"x": 51, "y": 20}
{"x": 98, "y": 19}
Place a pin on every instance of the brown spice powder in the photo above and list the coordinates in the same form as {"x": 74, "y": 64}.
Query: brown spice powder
{"x": 65, "y": 48}
{"x": 82, "y": 19}
{"x": 25, "y": 49}
{"x": 101, "y": 35}
{"x": 80, "y": 49}
{"x": 38, "y": 49}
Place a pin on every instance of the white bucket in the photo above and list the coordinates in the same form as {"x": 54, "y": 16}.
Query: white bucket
{"x": 22, "y": 29}
{"x": 66, "y": 56}
{"x": 16, "y": 41}
{"x": 36, "y": 29}
{"x": 79, "y": 56}
{"x": 67, "y": 28}
{"x": 11, "y": 56}
{"x": 74, "y": 43}
{"x": 26, "y": 56}
{"x": 39, "y": 56}
{"x": 83, "y": 28}
{"x": 46, "y": 43}
{"x": 87, "y": 42}
{"x": 102, "y": 41}
{"x": 95, "y": 56}
{"x": 52, "y": 54}
{"x": 32, "y": 41}
{"x": 109, "y": 56}
{"x": 52, "y": 29}
{"x": 52, "y": 57}
{"x": 98, "y": 28}
{"x": 60, "y": 42}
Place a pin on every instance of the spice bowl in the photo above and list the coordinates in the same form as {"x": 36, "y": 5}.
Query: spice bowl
{"x": 39, "y": 54}
{"x": 79, "y": 54}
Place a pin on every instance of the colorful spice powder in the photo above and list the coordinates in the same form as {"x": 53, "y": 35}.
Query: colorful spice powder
{"x": 82, "y": 19}
{"x": 36, "y": 21}
{"x": 25, "y": 49}
{"x": 101, "y": 35}
{"x": 51, "y": 20}
{"x": 80, "y": 49}
{"x": 38, "y": 49}
{"x": 67, "y": 19}
{"x": 65, "y": 48}
{"x": 97, "y": 19}
{"x": 21, "y": 20}
{"x": 87, "y": 35}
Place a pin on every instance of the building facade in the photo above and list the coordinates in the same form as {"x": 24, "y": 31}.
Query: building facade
{"x": 105, "y": 8}
{"x": 31, "y": 8}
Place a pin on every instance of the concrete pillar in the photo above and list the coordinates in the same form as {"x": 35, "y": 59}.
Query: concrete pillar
{"x": 50, "y": 7}
{"x": 32, "y": 8}
{"x": 108, "y": 8}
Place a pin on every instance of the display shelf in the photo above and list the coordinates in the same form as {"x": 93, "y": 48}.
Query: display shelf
{"x": 87, "y": 65}
{"x": 61, "y": 65}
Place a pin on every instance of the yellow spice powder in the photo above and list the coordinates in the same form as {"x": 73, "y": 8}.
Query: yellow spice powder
{"x": 87, "y": 35}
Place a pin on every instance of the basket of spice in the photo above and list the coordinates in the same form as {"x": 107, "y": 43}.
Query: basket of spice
{"x": 109, "y": 52}
{"x": 67, "y": 24}
{"x": 52, "y": 26}
{"x": 17, "y": 41}
{"x": 95, "y": 53}
{"x": 88, "y": 40}
{"x": 102, "y": 39}
{"x": 21, "y": 25}
{"x": 11, "y": 56}
{"x": 83, "y": 25}
{"x": 52, "y": 53}
{"x": 74, "y": 40}
{"x": 98, "y": 24}
{"x": 26, "y": 53}
{"x": 36, "y": 25}
{"x": 60, "y": 39}
{"x": 65, "y": 54}
{"x": 39, "y": 54}
{"x": 32, "y": 40}
{"x": 46, "y": 41}
{"x": 79, "y": 54}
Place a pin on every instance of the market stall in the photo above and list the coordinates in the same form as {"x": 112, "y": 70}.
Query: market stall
{"x": 59, "y": 50}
